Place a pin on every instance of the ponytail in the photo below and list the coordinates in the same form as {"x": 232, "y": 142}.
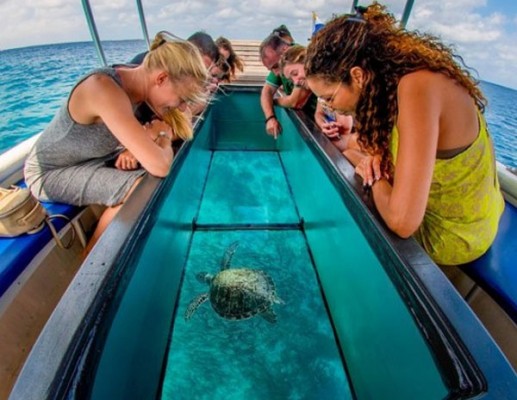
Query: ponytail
{"x": 180, "y": 124}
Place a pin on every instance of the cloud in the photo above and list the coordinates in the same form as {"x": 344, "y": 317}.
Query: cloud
{"x": 483, "y": 35}
{"x": 470, "y": 28}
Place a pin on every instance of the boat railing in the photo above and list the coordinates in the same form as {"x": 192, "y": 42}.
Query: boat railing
{"x": 12, "y": 161}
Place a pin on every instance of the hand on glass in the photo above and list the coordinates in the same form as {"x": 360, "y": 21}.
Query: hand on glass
{"x": 273, "y": 128}
{"x": 369, "y": 168}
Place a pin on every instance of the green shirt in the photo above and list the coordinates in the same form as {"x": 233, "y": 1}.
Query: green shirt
{"x": 280, "y": 80}
{"x": 288, "y": 86}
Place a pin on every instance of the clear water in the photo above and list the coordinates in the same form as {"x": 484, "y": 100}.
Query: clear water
{"x": 214, "y": 358}
{"x": 34, "y": 81}
{"x": 213, "y": 201}
{"x": 295, "y": 358}
{"x": 235, "y": 197}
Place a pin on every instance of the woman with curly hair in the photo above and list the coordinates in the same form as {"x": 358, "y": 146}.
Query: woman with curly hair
{"x": 419, "y": 114}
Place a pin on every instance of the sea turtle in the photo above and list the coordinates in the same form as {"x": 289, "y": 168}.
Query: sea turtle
{"x": 237, "y": 293}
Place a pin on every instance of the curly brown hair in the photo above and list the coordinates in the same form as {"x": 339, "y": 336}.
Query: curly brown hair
{"x": 373, "y": 41}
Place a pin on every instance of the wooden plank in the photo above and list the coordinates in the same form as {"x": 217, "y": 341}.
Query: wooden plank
{"x": 254, "y": 70}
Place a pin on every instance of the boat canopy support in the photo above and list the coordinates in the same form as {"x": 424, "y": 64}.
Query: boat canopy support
{"x": 95, "y": 35}
{"x": 143, "y": 24}
{"x": 405, "y": 14}
{"x": 93, "y": 31}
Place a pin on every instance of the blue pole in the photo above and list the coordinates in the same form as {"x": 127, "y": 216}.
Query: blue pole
{"x": 142, "y": 22}
{"x": 354, "y": 5}
{"x": 93, "y": 31}
{"x": 405, "y": 14}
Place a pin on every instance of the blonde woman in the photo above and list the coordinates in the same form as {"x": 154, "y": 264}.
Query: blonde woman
{"x": 68, "y": 162}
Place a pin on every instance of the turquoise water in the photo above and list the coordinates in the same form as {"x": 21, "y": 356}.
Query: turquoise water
{"x": 235, "y": 198}
{"x": 295, "y": 358}
{"x": 34, "y": 81}
{"x": 343, "y": 330}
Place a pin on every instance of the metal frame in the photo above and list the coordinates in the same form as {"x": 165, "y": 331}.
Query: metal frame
{"x": 93, "y": 31}
{"x": 405, "y": 13}
{"x": 95, "y": 34}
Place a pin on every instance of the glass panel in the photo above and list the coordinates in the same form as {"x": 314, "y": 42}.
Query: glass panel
{"x": 246, "y": 187}
{"x": 297, "y": 357}
{"x": 214, "y": 358}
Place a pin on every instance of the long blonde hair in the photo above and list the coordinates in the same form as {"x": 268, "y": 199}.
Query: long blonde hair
{"x": 181, "y": 59}
{"x": 180, "y": 124}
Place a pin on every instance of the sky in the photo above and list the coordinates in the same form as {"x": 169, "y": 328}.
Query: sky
{"x": 483, "y": 32}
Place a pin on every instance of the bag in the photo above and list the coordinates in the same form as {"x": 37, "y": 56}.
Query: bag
{"x": 21, "y": 212}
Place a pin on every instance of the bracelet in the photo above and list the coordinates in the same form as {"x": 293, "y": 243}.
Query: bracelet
{"x": 270, "y": 117}
{"x": 162, "y": 134}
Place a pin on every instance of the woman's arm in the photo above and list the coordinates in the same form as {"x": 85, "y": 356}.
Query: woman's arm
{"x": 296, "y": 99}
{"x": 402, "y": 206}
{"x": 99, "y": 99}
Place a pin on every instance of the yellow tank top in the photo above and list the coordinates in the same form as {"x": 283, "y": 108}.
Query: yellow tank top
{"x": 464, "y": 205}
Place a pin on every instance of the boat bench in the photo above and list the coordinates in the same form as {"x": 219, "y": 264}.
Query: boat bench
{"x": 16, "y": 253}
{"x": 496, "y": 271}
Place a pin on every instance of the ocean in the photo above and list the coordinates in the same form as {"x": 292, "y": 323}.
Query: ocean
{"x": 34, "y": 81}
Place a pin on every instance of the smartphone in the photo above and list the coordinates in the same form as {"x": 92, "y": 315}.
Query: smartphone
{"x": 329, "y": 117}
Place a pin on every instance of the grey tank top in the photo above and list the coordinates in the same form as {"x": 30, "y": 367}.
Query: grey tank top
{"x": 65, "y": 142}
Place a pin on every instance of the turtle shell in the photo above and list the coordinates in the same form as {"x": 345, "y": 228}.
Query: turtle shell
{"x": 241, "y": 293}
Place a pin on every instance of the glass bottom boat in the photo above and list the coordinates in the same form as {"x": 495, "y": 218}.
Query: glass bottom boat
{"x": 352, "y": 312}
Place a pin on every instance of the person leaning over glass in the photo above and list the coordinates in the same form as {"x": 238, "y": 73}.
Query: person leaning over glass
{"x": 69, "y": 162}
{"x": 338, "y": 128}
{"x": 271, "y": 49}
{"x": 419, "y": 115}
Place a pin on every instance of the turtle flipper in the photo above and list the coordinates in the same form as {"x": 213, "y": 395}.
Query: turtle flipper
{"x": 194, "y": 304}
{"x": 227, "y": 259}
{"x": 269, "y": 315}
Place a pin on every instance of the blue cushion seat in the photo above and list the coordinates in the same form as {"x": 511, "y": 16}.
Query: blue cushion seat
{"x": 496, "y": 271}
{"x": 16, "y": 253}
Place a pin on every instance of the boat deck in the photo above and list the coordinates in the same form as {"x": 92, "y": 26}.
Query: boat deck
{"x": 254, "y": 71}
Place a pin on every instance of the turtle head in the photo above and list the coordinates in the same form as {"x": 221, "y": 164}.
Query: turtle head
{"x": 204, "y": 277}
